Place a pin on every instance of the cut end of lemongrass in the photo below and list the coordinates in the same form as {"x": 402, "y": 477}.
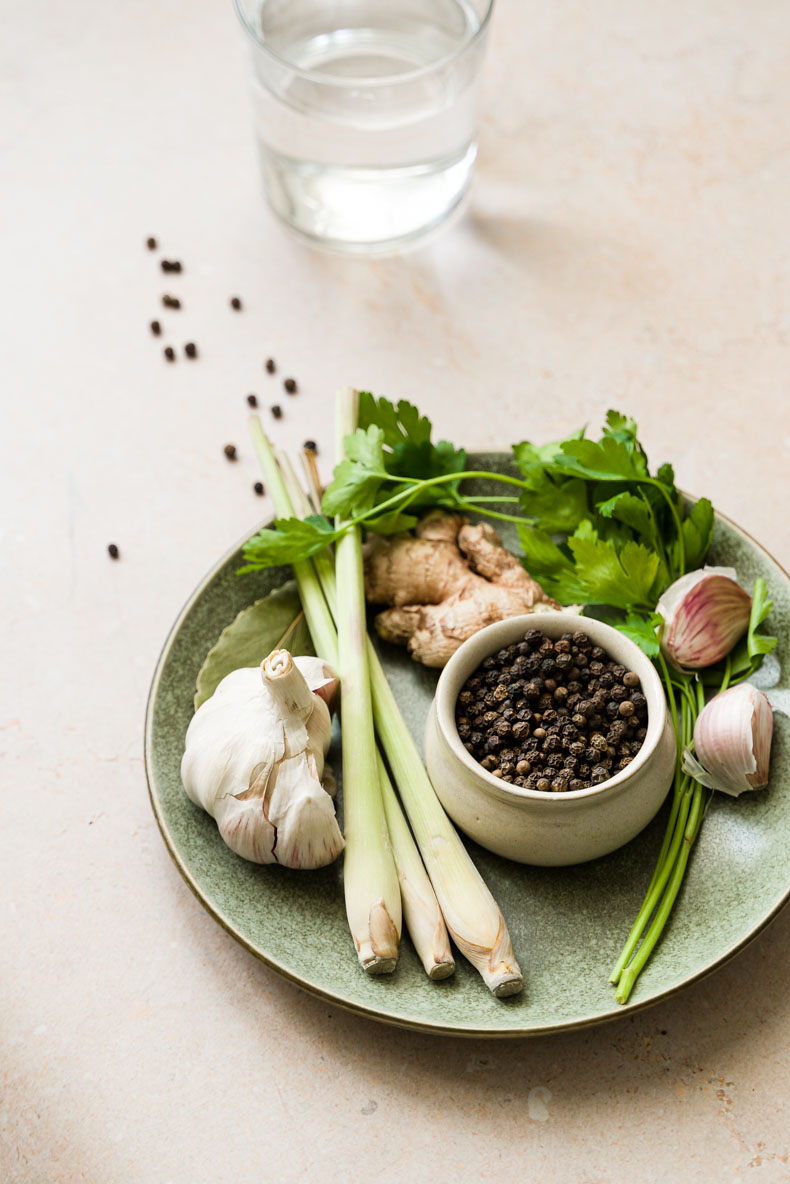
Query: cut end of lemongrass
{"x": 496, "y": 966}
{"x": 378, "y": 954}
{"x": 441, "y": 970}
{"x": 510, "y": 983}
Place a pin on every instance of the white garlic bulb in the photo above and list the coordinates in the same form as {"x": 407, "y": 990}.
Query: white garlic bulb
{"x": 254, "y": 760}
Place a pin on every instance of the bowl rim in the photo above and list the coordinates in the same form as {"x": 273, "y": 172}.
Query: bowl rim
{"x": 445, "y": 701}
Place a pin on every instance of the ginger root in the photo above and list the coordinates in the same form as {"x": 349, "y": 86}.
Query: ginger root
{"x": 444, "y": 583}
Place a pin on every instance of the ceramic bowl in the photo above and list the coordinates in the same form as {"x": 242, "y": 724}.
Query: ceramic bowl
{"x": 548, "y": 829}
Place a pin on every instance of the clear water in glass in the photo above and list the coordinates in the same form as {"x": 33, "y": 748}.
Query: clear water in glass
{"x": 365, "y": 113}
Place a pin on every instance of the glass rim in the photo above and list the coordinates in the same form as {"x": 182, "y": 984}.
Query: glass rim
{"x": 351, "y": 83}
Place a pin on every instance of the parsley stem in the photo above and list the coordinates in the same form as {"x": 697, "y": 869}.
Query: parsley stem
{"x": 416, "y": 487}
{"x": 463, "y": 504}
{"x": 678, "y": 525}
{"x": 494, "y": 497}
{"x": 659, "y": 542}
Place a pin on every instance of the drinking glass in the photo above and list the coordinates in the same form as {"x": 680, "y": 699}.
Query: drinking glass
{"x": 365, "y": 112}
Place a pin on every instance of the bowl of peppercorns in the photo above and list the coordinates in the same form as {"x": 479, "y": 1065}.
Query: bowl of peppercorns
{"x": 548, "y": 740}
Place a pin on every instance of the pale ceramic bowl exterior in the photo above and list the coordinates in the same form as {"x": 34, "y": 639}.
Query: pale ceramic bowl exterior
{"x": 548, "y": 829}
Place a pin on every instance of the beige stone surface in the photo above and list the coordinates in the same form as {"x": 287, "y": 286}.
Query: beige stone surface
{"x": 626, "y": 244}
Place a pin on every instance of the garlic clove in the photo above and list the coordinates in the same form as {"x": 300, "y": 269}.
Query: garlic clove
{"x": 705, "y": 613}
{"x": 320, "y": 677}
{"x": 732, "y": 739}
{"x": 303, "y": 815}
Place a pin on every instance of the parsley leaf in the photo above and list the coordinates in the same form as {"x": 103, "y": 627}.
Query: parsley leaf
{"x": 631, "y": 509}
{"x": 759, "y": 643}
{"x": 291, "y": 540}
{"x": 398, "y": 424}
{"x": 391, "y": 523}
{"x": 550, "y": 565}
{"x": 391, "y": 442}
{"x": 697, "y": 532}
{"x": 407, "y": 438}
{"x": 357, "y": 479}
{"x": 643, "y": 631}
{"x": 610, "y": 460}
{"x": 623, "y": 577}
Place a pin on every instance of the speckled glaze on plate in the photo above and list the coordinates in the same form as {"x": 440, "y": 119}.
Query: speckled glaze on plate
{"x": 567, "y": 924}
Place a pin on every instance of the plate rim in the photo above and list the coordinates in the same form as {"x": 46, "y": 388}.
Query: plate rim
{"x": 412, "y": 1024}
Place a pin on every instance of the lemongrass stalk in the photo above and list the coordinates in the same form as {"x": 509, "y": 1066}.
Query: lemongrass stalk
{"x": 421, "y": 910}
{"x": 319, "y": 619}
{"x": 470, "y": 912}
{"x": 370, "y": 881}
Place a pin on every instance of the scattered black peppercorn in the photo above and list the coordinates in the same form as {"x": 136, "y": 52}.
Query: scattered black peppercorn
{"x": 151, "y": 243}
{"x": 112, "y": 549}
{"x": 310, "y": 446}
{"x": 270, "y": 366}
{"x": 290, "y": 385}
{"x": 171, "y": 301}
{"x": 277, "y": 411}
{"x": 230, "y": 451}
{"x": 170, "y": 265}
{"x": 170, "y": 353}
{"x": 252, "y": 400}
{"x": 235, "y": 303}
{"x": 156, "y": 328}
{"x": 258, "y": 487}
{"x": 589, "y": 722}
{"x": 190, "y": 349}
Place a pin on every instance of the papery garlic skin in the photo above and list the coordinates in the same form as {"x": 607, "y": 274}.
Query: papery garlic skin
{"x": 705, "y": 613}
{"x": 254, "y": 760}
{"x": 732, "y": 739}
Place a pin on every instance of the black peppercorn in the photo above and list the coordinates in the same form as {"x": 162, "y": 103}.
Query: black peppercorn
{"x": 252, "y": 400}
{"x": 546, "y": 712}
{"x": 277, "y": 411}
{"x": 169, "y": 353}
{"x": 230, "y": 451}
{"x": 112, "y": 548}
{"x": 235, "y": 303}
{"x": 156, "y": 328}
{"x": 290, "y": 386}
{"x": 151, "y": 243}
{"x": 258, "y": 487}
{"x": 171, "y": 302}
{"x": 190, "y": 349}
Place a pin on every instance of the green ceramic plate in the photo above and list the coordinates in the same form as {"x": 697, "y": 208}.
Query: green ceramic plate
{"x": 567, "y": 924}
